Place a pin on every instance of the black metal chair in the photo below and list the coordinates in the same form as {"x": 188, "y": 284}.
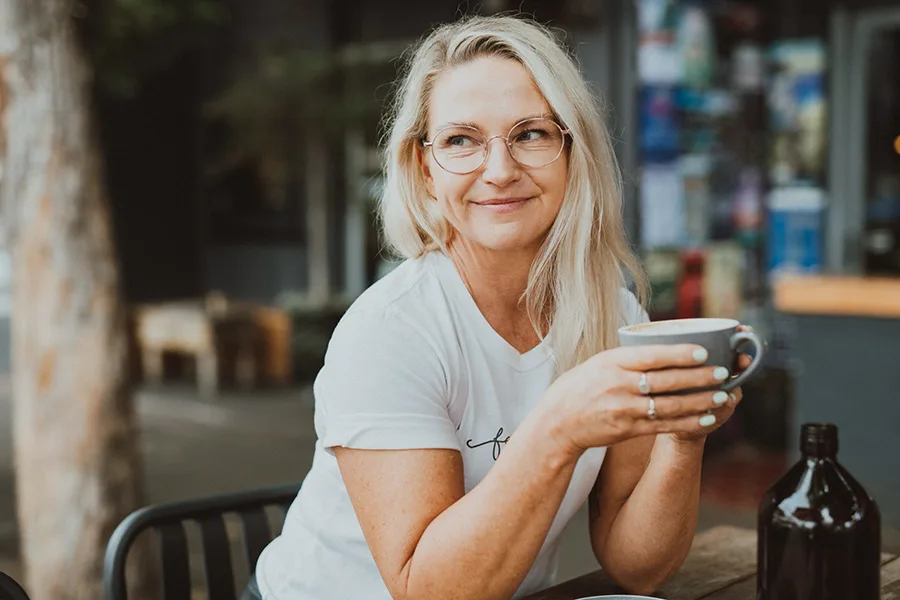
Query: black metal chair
{"x": 209, "y": 513}
{"x": 10, "y": 589}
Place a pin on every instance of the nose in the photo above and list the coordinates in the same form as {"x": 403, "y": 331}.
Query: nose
{"x": 500, "y": 168}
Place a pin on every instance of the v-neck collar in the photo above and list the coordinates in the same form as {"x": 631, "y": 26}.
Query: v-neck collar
{"x": 492, "y": 340}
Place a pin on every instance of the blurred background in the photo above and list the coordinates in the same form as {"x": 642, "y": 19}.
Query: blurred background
{"x": 760, "y": 142}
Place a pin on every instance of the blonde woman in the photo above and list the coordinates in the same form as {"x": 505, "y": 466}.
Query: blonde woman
{"x": 473, "y": 399}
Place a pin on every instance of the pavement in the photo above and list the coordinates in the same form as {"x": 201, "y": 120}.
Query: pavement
{"x": 198, "y": 447}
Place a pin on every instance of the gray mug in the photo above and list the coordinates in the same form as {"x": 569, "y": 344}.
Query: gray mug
{"x": 720, "y": 337}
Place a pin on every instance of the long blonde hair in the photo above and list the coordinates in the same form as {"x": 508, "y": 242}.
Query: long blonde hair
{"x": 578, "y": 274}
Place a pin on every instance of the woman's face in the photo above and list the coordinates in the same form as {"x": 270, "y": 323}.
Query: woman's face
{"x": 501, "y": 206}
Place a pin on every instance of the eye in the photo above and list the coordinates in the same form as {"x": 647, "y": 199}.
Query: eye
{"x": 458, "y": 141}
{"x": 531, "y": 135}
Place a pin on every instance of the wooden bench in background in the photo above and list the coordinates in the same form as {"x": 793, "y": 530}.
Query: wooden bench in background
{"x": 250, "y": 341}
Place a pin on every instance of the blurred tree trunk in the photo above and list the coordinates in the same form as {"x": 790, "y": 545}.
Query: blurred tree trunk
{"x": 75, "y": 442}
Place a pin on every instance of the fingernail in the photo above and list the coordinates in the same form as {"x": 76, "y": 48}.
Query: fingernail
{"x": 733, "y": 398}
{"x": 707, "y": 420}
{"x": 720, "y": 398}
{"x": 720, "y": 374}
{"x": 700, "y": 355}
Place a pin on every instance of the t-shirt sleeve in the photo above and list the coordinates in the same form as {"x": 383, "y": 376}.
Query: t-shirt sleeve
{"x": 632, "y": 311}
{"x": 382, "y": 387}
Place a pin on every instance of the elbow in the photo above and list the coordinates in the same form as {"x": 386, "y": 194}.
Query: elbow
{"x": 638, "y": 576}
{"x": 637, "y": 581}
{"x": 642, "y": 588}
{"x": 638, "y": 584}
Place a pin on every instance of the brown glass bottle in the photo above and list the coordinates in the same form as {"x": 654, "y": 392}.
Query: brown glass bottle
{"x": 819, "y": 532}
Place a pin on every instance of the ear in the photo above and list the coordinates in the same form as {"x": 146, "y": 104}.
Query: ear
{"x": 422, "y": 160}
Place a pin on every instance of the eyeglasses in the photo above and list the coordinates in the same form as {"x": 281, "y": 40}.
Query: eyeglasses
{"x": 533, "y": 143}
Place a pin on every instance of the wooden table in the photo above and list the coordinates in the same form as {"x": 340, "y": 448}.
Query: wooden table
{"x": 721, "y": 566}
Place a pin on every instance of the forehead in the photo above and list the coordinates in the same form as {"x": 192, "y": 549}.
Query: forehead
{"x": 492, "y": 93}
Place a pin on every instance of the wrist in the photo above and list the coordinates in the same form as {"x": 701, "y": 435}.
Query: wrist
{"x": 686, "y": 446}
{"x": 551, "y": 433}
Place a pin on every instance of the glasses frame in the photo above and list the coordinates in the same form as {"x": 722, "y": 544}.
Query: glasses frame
{"x": 487, "y": 144}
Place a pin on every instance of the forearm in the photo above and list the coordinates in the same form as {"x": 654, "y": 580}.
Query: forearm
{"x": 652, "y": 533}
{"x": 484, "y": 544}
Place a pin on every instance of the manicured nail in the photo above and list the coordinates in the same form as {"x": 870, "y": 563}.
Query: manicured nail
{"x": 720, "y": 398}
{"x": 700, "y": 355}
{"x": 720, "y": 374}
{"x": 733, "y": 398}
{"x": 707, "y": 420}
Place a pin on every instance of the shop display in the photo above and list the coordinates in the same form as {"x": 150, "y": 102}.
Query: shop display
{"x": 660, "y": 132}
{"x": 662, "y": 206}
{"x": 663, "y": 267}
{"x": 690, "y": 285}
{"x": 796, "y": 223}
{"x": 798, "y": 117}
{"x": 696, "y": 47}
{"x": 723, "y": 283}
{"x": 695, "y": 172}
{"x": 703, "y": 151}
{"x": 748, "y": 67}
{"x": 748, "y": 209}
{"x": 658, "y": 58}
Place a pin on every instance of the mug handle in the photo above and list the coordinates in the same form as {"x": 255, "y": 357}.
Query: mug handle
{"x": 736, "y": 340}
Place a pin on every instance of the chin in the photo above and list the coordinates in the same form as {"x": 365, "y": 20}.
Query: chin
{"x": 505, "y": 241}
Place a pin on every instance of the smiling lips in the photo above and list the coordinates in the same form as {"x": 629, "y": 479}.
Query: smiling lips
{"x": 501, "y": 202}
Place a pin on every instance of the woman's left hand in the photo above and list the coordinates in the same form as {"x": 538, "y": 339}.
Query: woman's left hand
{"x": 724, "y": 412}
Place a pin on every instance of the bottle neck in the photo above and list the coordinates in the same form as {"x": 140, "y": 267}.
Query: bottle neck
{"x": 819, "y": 440}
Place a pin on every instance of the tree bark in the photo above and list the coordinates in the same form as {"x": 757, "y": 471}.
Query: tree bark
{"x": 75, "y": 441}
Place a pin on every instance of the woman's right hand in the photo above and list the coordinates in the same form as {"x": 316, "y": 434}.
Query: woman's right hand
{"x": 599, "y": 403}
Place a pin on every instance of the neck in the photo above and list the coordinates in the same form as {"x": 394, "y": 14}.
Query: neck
{"x": 497, "y": 283}
{"x": 495, "y": 279}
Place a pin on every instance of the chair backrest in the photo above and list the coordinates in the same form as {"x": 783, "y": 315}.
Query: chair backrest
{"x": 168, "y": 521}
{"x": 10, "y": 589}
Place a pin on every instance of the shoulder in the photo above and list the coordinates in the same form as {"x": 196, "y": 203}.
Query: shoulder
{"x": 399, "y": 314}
{"x": 407, "y": 279}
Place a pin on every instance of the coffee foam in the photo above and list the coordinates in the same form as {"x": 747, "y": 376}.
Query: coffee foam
{"x": 681, "y": 326}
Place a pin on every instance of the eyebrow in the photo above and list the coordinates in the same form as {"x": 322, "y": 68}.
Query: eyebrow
{"x": 476, "y": 126}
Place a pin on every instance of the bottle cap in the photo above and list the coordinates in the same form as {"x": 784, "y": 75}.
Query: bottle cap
{"x": 819, "y": 439}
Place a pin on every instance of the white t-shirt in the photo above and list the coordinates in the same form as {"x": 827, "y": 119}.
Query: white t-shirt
{"x": 412, "y": 364}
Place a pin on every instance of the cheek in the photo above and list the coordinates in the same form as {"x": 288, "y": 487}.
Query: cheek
{"x": 554, "y": 184}
{"x": 450, "y": 189}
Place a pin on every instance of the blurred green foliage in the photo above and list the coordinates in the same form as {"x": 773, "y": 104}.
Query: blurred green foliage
{"x": 128, "y": 39}
{"x": 292, "y": 94}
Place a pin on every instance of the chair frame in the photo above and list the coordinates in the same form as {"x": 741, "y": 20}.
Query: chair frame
{"x": 168, "y": 519}
{"x": 10, "y": 589}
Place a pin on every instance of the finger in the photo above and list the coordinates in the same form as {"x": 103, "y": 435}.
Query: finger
{"x": 745, "y": 328}
{"x": 689, "y": 424}
{"x": 744, "y": 361}
{"x": 704, "y": 423}
{"x": 673, "y": 407}
{"x": 677, "y": 380}
{"x": 659, "y": 356}
{"x": 735, "y": 397}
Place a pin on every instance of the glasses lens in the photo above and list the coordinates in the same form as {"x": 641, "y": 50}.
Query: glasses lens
{"x": 459, "y": 149}
{"x": 537, "y": 142}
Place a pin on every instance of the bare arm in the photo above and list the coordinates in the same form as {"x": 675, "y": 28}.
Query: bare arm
{"x": 643, "y": 509}
{"x": 441, "y": 543}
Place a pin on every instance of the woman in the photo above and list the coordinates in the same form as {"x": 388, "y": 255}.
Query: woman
{"x": 474, "y": 398}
